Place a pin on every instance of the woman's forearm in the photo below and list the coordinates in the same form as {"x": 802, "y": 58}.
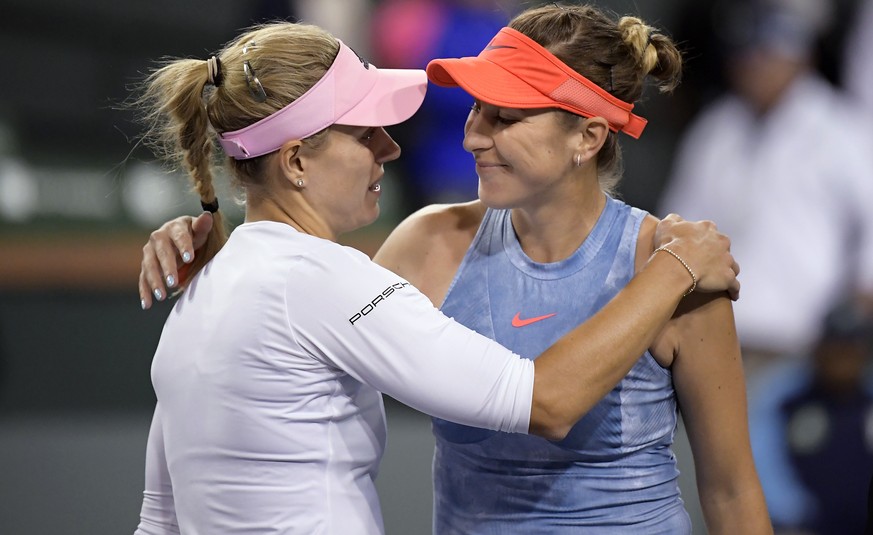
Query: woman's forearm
{"x": 738, "y": 510}
{"x": 584, "y": 365}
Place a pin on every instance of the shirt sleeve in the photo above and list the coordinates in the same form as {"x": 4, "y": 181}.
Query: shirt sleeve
{"x": 379, "y": 329}
{"x": 158, "y": 514}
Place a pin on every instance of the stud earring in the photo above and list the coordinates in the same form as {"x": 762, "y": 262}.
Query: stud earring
{"x": 300, "y": 183}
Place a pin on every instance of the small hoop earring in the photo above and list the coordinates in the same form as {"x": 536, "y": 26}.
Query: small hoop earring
{"x": 578, "y": 160}
{"x": 300, "y": 183}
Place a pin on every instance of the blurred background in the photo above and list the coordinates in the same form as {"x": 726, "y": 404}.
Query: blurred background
{"x": 78, "y": 198}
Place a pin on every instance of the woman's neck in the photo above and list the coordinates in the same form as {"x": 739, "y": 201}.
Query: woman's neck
{"x": 297, "y": 215}
{"x": 553, "y": 231}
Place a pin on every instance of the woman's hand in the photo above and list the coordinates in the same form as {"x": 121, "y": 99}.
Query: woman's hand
{"x": 168, "y": 252}
{"x": 705, "y": 251}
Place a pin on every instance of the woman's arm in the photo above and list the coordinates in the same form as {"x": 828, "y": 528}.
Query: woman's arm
{"x": 584, "y": 365}
{"x": 376, "y": 327}
{"x": 579, "y": 369}
{"x": 710, "y": 386}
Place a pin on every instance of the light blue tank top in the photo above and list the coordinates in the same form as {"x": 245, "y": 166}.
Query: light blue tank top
{"x": 615, "y": 472}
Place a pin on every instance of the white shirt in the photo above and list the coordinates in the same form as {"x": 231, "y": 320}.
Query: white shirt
{"x": 268, "y": 372}
{"x": 793, "y": 190}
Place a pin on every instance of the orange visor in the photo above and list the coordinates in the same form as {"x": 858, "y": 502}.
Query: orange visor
{"x": 514, "y": 71}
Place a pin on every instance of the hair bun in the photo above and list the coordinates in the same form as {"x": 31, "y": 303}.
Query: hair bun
{"x": 636, "y": 34}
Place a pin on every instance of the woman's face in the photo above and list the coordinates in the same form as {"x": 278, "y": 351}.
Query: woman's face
{"x": 343, "y": 179}
{"x": 520, "y": 154}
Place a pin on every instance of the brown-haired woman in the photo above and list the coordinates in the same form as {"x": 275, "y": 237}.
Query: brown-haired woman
{"x": 551, "y": 94}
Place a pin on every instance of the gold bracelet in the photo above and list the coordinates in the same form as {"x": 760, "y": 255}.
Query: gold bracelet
{"x": 677, "y": 257}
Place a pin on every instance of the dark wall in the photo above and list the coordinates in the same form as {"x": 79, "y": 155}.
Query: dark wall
{"x": 67, "y": 64}
{"x": 76, "y": 350}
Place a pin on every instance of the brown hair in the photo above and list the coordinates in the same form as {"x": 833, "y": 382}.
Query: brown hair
{"x": 183, "y": 112}
{"x": 617, "y": 54}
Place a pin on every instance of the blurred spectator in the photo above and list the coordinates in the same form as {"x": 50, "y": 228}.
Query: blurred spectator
{"x": 408, "y": 34}
{"x": 858, "y": 76}
{"x": 812, "y": 431}
{"x": 782, "y": 165}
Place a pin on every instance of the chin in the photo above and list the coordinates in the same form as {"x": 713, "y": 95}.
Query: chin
{"x": 372, "y": 216}
{"x": 364, "y": 221}
{"x": 494, "y": 200}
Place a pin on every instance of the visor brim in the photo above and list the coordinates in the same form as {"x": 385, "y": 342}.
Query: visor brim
{"x": 396, "y": 96}
{"x": 488, "y": 82}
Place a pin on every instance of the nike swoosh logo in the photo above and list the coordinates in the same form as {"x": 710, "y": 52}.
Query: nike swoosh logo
{"x": 495, "y": 47}
{"x": 518, "y": 322}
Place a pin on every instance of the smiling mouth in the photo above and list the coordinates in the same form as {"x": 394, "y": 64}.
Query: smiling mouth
{"x": 487, "y": 168}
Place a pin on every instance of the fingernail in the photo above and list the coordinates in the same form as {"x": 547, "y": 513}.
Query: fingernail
{"x": 171, "y": 281}
{"x": 158, "y": 294}
{"x": 142, "y": 303}
{"x": 186, "y": 257}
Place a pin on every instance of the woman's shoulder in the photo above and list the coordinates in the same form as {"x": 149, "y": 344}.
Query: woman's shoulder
{"x": 444, "y": 219}
{"x": 441, "y": 225}
{"x": 429, "y": 245}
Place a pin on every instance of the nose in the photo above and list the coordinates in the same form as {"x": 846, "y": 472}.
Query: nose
{"x": 385, "y": 149}
{"x": 477, "y": 132}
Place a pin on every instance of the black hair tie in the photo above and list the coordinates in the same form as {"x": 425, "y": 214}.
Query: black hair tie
{"x": 210, "y": 207}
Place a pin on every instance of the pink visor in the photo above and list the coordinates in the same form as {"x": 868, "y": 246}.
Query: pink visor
{"x": 352, "y": 92}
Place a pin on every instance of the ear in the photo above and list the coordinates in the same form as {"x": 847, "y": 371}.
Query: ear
{"x": 292, "y": 161}
{"x": 593, "y": 135}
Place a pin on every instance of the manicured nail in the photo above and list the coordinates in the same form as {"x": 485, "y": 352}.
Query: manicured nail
{"x": 158, "y": 294}
{"x": 171, "y": 281}
{"x": 186, "y": 257}
{"x": 142, "y": 303}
